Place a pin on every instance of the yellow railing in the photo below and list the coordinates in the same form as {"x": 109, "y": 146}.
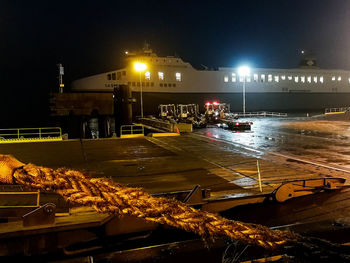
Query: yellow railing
{"x": 341, "y": 110}
{"x": 30, "y": 134}
{"x": 16, "y": 195}
{"x": 131, "y": 131}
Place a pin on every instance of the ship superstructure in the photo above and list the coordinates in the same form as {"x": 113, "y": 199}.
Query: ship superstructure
{"x": 171, "y": 80}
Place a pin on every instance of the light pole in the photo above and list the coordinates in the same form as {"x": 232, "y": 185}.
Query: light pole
{"x": 244, "y": 71}
{"x": 140, "y": 67}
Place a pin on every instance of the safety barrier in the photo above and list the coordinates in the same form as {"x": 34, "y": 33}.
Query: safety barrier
{"x": 16, "y": 135}
{"x": 131, "y": 131}
{"x": 260, "y": 114}
{"x": 340, "y": 110}
{"x": 167, "y": 125}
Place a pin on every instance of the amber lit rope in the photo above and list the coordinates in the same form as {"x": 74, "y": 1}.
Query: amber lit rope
{"x": 106, "y": 196}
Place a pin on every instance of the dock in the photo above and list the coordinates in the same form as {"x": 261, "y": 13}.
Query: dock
{"x": 162, "y": 164}
{"x": 168, "y": 165}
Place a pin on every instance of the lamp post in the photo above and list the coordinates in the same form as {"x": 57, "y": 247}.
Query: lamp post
{"x": 244, "y": 71}
{"x": 140, "y": 67}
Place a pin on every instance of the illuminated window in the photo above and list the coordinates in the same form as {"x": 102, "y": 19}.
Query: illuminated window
{"x": 178, "y": 76}
{"x": 309, "y": 79}
{"x": 283, "y": 77}
{"x": 255, "y": 76}
{"x": 233, "y": 77}
{"x": 349, "y": 80}
{"x": 290, "y": 77}
{"x": 119, "y": 75}
{"x": 161, "y": 75}
{"x": 321, "y": 79}
{"x": 225, "y": 78}
{"x": 240, "y": 78}
{"x": 277, "y": 79}
{"x": 339, "y": 78}
{"x": 147, "y": 75}
{"x": 262, "y": 78}
{"x": 315, "y": 79}
{"x": 248, "y": 79}
{"x": 269, "y": 78}
{"x": 333, "y": 78}
{"x": 302, "y": 79}
{"x": 296, "y": 79}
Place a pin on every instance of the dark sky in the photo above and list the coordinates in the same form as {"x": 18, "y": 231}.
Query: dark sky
{"x": 90, "y": 37}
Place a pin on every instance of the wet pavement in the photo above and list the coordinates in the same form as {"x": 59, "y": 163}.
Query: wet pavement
{"x": 316, "y": 140}
{"x": 226, "y": 162}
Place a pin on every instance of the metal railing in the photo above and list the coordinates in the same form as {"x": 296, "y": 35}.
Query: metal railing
{"x": 337, "y": 110}
{"x": 13, "y": 195}
{"x": 131, "y": 131}
{"x": 30, "y": 133}
{"x": 260, "y": 114}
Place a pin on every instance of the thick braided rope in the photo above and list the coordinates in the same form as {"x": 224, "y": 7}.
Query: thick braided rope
{"x": 106, "y": 196}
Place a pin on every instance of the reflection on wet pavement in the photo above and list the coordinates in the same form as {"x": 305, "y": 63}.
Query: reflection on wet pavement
{"x": 320, "y": 141}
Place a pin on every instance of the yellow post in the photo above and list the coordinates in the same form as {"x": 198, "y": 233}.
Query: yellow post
{"x": 259, "y": 177}
{"x": 38, "y": 198}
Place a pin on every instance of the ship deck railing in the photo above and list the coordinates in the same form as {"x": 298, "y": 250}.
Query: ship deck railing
{"x": 339, "y": 110}
{"x": 260, "y": 114}
{"x": 15, "y": 135}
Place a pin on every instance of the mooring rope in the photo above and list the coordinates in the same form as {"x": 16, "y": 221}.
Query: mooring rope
{"x": 106, "y": 196}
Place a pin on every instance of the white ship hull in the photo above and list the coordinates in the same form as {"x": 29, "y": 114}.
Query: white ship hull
{"x": 170, "y": 80}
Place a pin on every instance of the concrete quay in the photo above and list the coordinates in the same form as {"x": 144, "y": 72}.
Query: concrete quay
{"x": 164, "y": 164}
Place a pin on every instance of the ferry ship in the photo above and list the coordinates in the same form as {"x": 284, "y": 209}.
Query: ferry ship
{"x": 170, "y": 80}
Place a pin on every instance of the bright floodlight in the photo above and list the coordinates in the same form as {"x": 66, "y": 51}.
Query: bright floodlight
{"x": 140, "y": 66}
{"x": 244, "y": 71}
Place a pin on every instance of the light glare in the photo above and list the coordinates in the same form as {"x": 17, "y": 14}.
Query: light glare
{"x": 140, "y": 66}
{"x": 244, "y": 71}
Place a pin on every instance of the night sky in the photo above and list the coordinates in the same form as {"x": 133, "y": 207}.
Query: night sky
{"x": 89, "y": 37}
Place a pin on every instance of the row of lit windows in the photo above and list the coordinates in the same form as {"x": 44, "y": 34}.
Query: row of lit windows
{"x": 278, "y": 78}
{"x": 161, "y": 76}
{"x": 116, "y": 75}
{"x": 150, "y": 84}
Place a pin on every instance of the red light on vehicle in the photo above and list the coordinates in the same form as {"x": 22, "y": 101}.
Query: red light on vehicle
{"x": 236, "y": 123}
{"x": 215, "y": 103}
{"x": 207, "y": 103}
